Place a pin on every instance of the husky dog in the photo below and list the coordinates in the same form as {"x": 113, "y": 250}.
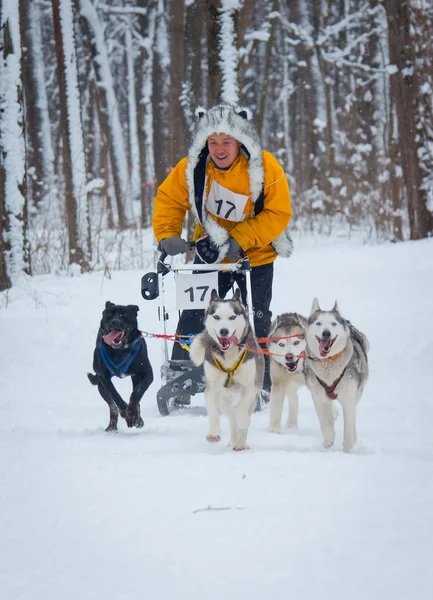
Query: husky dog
{"x": 287, "y": 348}
{"x": 338, "y": 370}
{"x": 231, "y": 371}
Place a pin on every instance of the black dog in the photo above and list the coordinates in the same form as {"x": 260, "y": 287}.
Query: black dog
{"x": 121, "y": 351}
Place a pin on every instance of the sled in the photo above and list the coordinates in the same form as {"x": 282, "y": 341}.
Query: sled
{"x": 194, "y": 283}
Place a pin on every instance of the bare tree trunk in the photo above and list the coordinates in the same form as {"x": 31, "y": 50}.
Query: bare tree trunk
{"x": 14, "y": 248}
{"x": 161, "y": 106}
{"x": 243, "y": 22}
{"x": 145, "y": 87}
{"x": 194, "y": 51}
{"x": 213, "y": 59}
{"x": 35, "y": 154}
{"x": 5, "y": 282}
{"x": 177, "y": 17}
{"x": 404, "y": 95}
{"x": 108, "y": 110}
{"x": 76, "y": 255}
{"x": 266, "y": 73}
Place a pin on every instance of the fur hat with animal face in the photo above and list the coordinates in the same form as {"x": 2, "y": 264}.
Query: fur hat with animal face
{"x": 236, "y": 122}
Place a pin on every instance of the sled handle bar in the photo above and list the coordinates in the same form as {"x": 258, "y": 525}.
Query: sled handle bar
{"x": 161, "y": 266}
{"x": 243, "y": 265}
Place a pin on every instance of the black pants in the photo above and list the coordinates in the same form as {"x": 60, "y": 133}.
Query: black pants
{"x": 191, "y": 321}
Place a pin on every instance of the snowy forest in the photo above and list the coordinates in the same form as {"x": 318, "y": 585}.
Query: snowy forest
{"x": 97, "y": 99}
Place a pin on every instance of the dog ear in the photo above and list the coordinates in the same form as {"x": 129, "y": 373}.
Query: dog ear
{"x": 214, "y": 296}
{"x": 315, "y": 306}
{"x": 237, "y": 295}
{"x": 301, "y": 322}
{"x": 134, "y": 308}
{"x": 200, "y": 112}
{"x": 335, "y": 308}
{"x": 109, "y": 304}
{"x": 244, "y": 112}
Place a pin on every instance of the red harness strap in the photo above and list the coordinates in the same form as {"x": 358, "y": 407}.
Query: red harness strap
{"x": 329, "y": 389}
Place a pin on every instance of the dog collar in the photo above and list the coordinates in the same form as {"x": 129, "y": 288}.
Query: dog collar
{"x": 335, "y": 355}
{"x": 119, "y": 369}
{"x": 329, "y": 389}
{"x": 231, "y": 371}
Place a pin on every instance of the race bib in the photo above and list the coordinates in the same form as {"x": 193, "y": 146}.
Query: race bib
{"x": 193, "y": 291}
{"x": 225, "y": 204}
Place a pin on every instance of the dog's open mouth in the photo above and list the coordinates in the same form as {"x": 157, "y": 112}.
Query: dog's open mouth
{"x": 325, "y": 345}
{"x": 115, "y": 337}
{"x": 225, "y": 342}
{"x": 292, "y": 361}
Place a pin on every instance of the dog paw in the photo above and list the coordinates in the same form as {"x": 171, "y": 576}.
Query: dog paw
{"x": 240, "y": 446}
{"x": 274, "y": 429}
{"x": 139, "y": 423}
{"x": 213, "y": 438}
{"x": 291, "y": 425}
{"x": 348, "y": 446}
{"x": 132, "y": 416}
{"x": 112, "y": 428}
{"x": 327, "y": 444}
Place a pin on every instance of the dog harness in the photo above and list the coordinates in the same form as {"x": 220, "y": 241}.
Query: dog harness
{"x": 119, "y": 369}
{"x": 329, "y": 389}
{"x": 230, "y": 372}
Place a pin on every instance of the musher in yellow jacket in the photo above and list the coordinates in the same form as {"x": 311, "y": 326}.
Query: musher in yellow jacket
{"x": 241, "y": 199}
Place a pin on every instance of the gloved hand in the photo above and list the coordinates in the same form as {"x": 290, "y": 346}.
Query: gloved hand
{"x": 234, "y": 251}
{"x": 173, "y": 245}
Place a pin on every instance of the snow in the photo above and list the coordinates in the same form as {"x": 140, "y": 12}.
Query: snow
{"x": 90, "y": 515}
{"x": 228, "y": 53}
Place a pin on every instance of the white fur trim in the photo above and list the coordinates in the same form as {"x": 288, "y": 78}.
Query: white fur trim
{"x": 224, "y": 118}
{"x": 283, "y": 244}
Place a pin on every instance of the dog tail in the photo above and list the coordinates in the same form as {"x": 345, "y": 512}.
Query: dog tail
{"x": 359, "y": 337}
{"x": 92, "y": 378}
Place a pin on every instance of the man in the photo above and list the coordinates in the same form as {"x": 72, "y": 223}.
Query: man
{"x": 241, "y": 198}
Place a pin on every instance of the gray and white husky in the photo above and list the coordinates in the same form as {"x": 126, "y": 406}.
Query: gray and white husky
{"x": 337, "y": 370}
{"x": 232, "y": 373}
{"x": 286, "y": 365}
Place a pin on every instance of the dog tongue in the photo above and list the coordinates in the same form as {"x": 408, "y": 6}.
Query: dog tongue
{"x": 225, "y": 342}
{"x": 114, "y": 336}
{"x": 325, "y": 346}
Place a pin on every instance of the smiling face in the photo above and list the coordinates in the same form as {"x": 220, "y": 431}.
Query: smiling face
{"x": 288, "y": 350}
{"x": 225, "y": 321}
{"x": 223, "y": 149}
{"x": 118, "y": 323}
{"x": 327, "y": 333}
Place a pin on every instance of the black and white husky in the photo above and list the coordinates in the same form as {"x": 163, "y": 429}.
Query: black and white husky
{"x": 287, "y": 350}
{"x": 233, "y": 374}
{"x": 337, "y": 370}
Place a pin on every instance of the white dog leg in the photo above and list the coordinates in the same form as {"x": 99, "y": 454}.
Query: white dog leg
{"x": 227, "y": 409}
{"x": 197, "y": 350}
{"x": 292, "y": 418}
{"x": 243, "y": 420}
{"x": 349, "y": 417}
{"x": 276, "y": 408}
{"x": 214, "y": 434}
{"x": 326, "y": 420}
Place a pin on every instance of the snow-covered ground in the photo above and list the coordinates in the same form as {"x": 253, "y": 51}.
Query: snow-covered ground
{"x": 86, "y": 515}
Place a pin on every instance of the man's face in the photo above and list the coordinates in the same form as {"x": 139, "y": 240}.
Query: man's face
{"x": 223, "y": 149}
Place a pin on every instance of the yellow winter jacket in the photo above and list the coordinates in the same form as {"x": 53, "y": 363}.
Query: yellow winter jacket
{"x": 254, "y": 233}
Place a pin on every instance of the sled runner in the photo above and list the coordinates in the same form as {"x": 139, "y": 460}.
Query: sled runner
{"x": 194, "y": 284}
